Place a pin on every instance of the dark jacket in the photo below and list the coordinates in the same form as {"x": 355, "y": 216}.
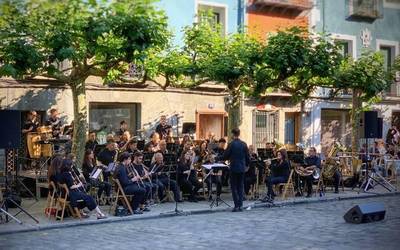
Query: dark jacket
{"x": 238, "y": 155}
{"x": 122, "y": 175}
{"x": 280, "y": 169}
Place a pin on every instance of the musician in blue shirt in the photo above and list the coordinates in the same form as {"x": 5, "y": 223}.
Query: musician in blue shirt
{"x": 130, "y": 184}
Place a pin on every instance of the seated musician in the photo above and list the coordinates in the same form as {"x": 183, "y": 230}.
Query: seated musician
{"x": 31, "y": 123}
{"x": 163, "y": 128}
{"x": 219, "y": 152}
{"x": 55, "y": 123}
{"x": 185, "y": 140}
{"x": 108, "y": 155}
{"x": 311, "y": 161}
{"x": 153, "y": 146}
{"x": 163, "y": 147}
{"x": 88, "y": 166}
{"x": 250, "y": 177}
{"x": 163, "y": 181}
{"x": 187, "y": 175}
{"x": 141, "y": 169}
{"x": 132, "y": 146}
{"x": 130, "y": 183}
{"x": 280, "y": 170}
{"x": 124, "y": 139}
{"x": 76, "y": 190}
{"x": 204, "y": 156}
{"x": 91, "y": 143}
{"x": 54, "y": 171}
{"x": 123, "y": 126}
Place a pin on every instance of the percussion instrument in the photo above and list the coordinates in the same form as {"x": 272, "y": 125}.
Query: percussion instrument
{"x": 44, "y": 129}
{"x": 34, "y": 148}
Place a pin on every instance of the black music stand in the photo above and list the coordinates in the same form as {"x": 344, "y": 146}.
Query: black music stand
{"x": 217, "y": 200}
{"x": 170, "y": 162}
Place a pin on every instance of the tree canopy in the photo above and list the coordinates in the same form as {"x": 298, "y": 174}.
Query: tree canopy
{"x": 71, "y": 40}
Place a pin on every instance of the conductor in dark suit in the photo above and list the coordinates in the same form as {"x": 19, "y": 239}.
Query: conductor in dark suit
{"x": 238, "y": 155}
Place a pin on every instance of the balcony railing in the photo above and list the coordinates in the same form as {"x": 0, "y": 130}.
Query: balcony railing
{"x": 298, "y": 5}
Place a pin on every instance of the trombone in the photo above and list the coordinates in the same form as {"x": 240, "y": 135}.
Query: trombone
{"x": 132, "y": 173}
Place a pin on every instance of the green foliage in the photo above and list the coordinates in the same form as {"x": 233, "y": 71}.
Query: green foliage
{"x": 96, "y": 37}
{"x": 366, "y": 74}
{"x": 296, "y": 62}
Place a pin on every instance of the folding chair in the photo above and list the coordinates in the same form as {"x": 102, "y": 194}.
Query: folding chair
{"x": 62, "y": 203}
{"x": 288, "y": 186}
{"x": 120, "y": 195}
{"x": 51, "y": 203}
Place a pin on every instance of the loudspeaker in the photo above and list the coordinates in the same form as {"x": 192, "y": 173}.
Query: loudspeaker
{"x": 380, "y": 128}
{"x": 369, "y": 124}
{"x": 10, "y": 129}
{"x": 189, "y": 128}
{"x": 364, "y": 213}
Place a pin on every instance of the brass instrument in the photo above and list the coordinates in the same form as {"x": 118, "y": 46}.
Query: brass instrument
{"x": 315, "y": 171}
{"x": 77, "y": 181}
{"x": 330, "y": 167}
{"x": 132, "y": 173}
{"x": 191, "y": 167}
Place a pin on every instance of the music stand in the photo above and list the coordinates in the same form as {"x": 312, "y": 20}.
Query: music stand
{"x": 170, "y": 161}
{"x": 215, "y": 168}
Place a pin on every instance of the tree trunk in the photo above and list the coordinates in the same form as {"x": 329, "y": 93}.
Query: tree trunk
{"x": 234, "y": 118}
{"x": 355, "y": 120}
{"x": 80, "y": 121}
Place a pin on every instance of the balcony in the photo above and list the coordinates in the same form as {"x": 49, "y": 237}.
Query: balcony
{"x": 394, "y": 90}
{"x": 367, "y": 9}
{"x": 283, "y": 5}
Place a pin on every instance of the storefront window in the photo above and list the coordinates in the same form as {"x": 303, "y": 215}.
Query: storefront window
{"x": 104, "y": 118}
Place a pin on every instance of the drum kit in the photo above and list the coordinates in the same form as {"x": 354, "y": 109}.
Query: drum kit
{"x": 40, "y": 143}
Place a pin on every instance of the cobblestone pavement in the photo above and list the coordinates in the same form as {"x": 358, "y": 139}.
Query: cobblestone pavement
{"x": 306, "y": 226}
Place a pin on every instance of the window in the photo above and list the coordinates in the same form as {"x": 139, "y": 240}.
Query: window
{"x": 365, "y": 8}
{"x": 347, "y": 44}
{"x": 345, "y": 48}
{"x": 395, "y": 4}
{"x": 290, "y": 130}
{"x": 215, "y": 14}
{"x": 388, "y": 55}
{"x": 105, "y": 117}
{"x": 265, "y": 127}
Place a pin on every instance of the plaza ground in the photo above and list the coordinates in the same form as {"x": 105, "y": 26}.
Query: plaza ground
{"x": 310, "y": 225}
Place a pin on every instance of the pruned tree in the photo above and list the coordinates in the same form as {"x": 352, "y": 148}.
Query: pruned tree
{"x": 94, "y": 38}
{"x": 367, "y": 79}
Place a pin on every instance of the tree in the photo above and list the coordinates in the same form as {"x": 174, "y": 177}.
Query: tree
{"x": 94, "y": 37}
{"x": 296, "y": 62}
{"x": 367, "y": 79}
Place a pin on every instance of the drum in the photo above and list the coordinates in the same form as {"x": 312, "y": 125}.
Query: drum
{"x": 34, "y": 148}
{"x": 47, "y": 150}
{"x": 44, "y": 129}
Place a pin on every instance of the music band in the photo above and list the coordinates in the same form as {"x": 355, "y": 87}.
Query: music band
{"x": 165, "y": 167}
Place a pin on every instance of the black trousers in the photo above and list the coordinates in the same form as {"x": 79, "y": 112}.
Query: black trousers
{"x": 248, "y": 181}
{"x": 272, "y": 181}
{"x": 191, "y": 185}
{"x": 237, "y": 188}
{"x": 309, "y": 181}
{"x": 151, "y": 189}
{"x": 163, "y": 183}
{"x": 139, "y": 195}
{"x": 217, "y": 180}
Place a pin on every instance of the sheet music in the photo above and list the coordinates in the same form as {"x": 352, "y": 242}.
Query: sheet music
{"x": 215, "y": 165}
{"x": 110, "y": 167}
{"x": 96, "y": 174}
